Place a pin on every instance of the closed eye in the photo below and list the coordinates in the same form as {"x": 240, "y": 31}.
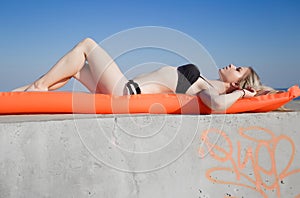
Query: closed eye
{"x": 238, "y": 69}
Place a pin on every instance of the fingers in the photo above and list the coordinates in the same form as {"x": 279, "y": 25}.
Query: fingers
{"x": 250, "y": 92}
{"x": 250, "y": 89}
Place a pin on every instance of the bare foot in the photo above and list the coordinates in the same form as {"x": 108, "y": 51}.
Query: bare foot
{"x": 33, "y": 87}
{"x": 20, "y": 89}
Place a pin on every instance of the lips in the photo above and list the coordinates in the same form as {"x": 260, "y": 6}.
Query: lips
{"x": 224, "y": 68}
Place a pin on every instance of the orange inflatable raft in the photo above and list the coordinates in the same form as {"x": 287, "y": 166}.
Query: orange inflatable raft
{"x": 86, "y": 103}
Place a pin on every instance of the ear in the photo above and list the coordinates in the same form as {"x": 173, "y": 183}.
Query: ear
{"x": 235, "y": 85}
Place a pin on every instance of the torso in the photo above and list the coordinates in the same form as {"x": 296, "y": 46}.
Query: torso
{"x": 164, "y": 80}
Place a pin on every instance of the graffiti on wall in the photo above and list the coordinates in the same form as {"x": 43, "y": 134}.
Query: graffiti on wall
{"x": 254, "y": 159}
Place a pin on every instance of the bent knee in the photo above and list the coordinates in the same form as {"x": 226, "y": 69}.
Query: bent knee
{"x": 88, "y": 41}
{"x": 87, "y": 44}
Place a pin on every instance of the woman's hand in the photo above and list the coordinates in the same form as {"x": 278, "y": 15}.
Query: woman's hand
{"x": 249, "y": 92}
{"x": 246, "y": 93}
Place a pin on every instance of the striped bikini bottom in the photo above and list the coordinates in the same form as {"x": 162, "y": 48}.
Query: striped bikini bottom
{"x": 133, "y": 88}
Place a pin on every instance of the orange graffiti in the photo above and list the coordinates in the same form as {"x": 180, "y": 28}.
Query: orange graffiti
{"x": 223, "y": 152}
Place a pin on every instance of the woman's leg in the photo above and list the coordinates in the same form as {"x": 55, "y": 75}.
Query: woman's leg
{"x": 101, "y": 75}
{"x": 84, "y": 76}
{"x": 23, "y": 88}
{"x": 53, "y": 87}
{"x": 105, "y": 72}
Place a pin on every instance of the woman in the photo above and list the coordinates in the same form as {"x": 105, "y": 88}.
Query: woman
{"x": 94, "y": 68}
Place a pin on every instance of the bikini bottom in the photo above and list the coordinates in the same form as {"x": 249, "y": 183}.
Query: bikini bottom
{"x": 133, "y": 88}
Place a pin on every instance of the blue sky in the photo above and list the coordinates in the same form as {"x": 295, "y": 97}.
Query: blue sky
{"x": 264, "y": 34}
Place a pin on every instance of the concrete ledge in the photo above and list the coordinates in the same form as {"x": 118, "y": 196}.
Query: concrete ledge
{"x": 243, "y": 155}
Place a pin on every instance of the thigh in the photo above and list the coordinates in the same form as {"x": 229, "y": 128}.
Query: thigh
{"x": 86, "y": 78}
{"x": 105, "y": 72}
{"x": 58, "y": 84}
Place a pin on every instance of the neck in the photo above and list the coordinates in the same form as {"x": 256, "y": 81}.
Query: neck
{"x": 220, "y": 86}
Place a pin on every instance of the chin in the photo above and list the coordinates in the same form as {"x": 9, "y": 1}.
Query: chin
{"x": 220, "y": 74}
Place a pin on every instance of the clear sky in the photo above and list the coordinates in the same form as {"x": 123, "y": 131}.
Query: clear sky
{"x": 264, "y": 34}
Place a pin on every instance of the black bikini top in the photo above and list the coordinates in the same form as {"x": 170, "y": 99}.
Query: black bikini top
{"x": 187, "y": 75}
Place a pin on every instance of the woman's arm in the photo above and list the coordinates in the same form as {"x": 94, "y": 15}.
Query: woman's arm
{"x": 212, "y": 99}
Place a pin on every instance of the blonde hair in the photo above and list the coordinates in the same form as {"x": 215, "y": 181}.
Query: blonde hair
{"x": 252, "y": 79}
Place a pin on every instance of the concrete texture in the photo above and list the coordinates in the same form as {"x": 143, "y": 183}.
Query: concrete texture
{"x": 119, "y": 156}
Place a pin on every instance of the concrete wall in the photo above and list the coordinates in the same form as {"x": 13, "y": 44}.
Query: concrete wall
{"x": 119, "y": 156}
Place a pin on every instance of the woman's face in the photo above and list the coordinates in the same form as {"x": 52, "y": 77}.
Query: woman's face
{"x": 231, "y": 73}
